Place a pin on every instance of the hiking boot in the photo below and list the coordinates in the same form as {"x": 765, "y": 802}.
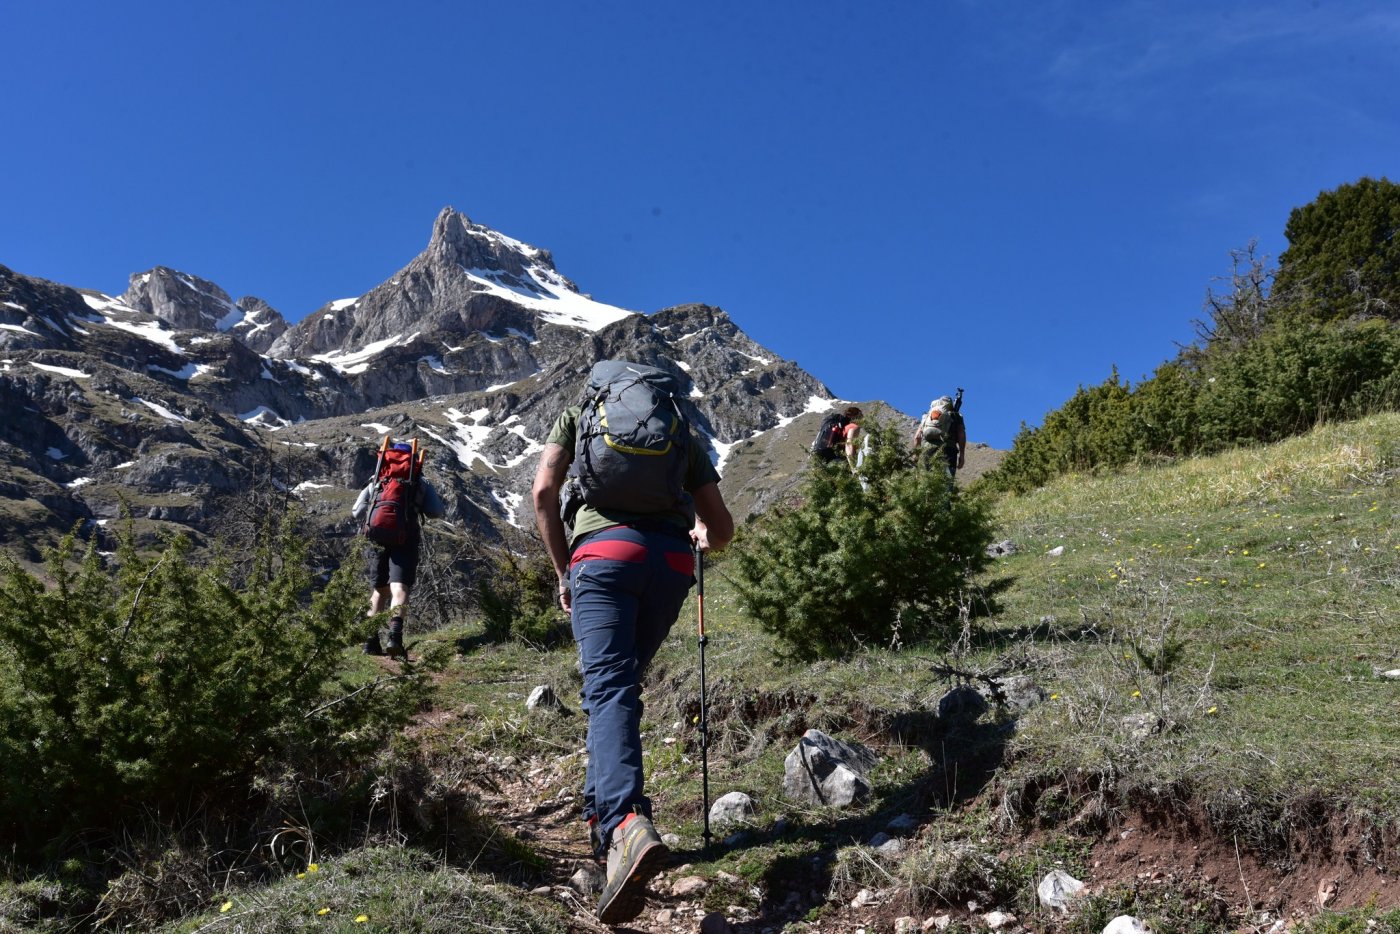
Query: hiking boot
{"x": 595, "y": 842}
{"x": 372, "y": 646}
{"x": 396, "y": 648}
{"x": 636, "y": 855}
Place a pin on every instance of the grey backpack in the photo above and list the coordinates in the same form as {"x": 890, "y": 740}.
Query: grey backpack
{"x": 633, "y": 442}
{"x": 939, "y": 421}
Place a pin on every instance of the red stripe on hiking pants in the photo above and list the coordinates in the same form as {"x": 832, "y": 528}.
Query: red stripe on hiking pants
{"x": 682, "y": 562}
{"x": 611, "y": 550}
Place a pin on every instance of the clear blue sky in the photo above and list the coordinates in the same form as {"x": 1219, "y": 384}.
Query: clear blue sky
{"x": 904, "y": 197}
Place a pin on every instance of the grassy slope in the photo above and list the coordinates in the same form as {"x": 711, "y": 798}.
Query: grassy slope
{"x": 1277, "y": 570}
{"x": 1274, "y": 569}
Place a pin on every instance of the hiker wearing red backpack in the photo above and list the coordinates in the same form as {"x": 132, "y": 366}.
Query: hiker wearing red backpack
{"x": 836, "y": 436}
{"x": 389, "y": 508}
{"x": 639, "y": 494}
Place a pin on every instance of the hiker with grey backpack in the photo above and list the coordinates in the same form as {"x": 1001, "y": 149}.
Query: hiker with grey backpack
{"x": 389, "y": 509}
{"x": 941, "y": 437}
{"x": 639, "y": 500}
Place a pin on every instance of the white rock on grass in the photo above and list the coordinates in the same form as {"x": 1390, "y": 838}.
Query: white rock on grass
{"x": 906, "y": 925}
{"x": 587, "y": 881}
{"x": 1056, "y": 551}
{"x": 542, "y": 696}
{"x": 735, "y": 808}
{"x": 996, "y": 920}
{"x": 823, "y": 770}
{"x": 688, "y": 886}
{"x": 1057, "y": 889}
{"x": 1126, "y": 924}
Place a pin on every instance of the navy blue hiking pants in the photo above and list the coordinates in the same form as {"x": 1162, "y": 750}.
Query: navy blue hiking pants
{"x": 628, "y": 588}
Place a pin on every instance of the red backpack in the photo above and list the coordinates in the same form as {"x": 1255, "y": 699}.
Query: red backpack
{"x": 390, "y": 520}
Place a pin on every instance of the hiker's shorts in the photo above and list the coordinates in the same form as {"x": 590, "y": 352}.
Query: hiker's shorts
{"x": 397, "y": 565}
{"x": 628, "y": 588}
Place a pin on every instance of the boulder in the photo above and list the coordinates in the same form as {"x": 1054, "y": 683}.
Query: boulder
{"x": 823, "y": 770}
{"x": 1126, "y": 924}
{"x": 731, "y": 809}
{"x": 963, "y": 703}
{"x": 588, "y": 881}
{"x": 1057, "y": 889}
{"x": 1022, "y": 693}
{"x": 543, "y": 696}
{"x": 1001, "y": 549}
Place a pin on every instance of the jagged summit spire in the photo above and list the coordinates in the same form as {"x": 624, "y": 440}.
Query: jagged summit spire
{"x": 451, "y": 225}
{"x": 457, "y": 240}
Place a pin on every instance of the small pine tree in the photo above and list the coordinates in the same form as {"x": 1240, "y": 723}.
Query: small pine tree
{"x": 162, "y": 687}
{"x": 848, "y": 565}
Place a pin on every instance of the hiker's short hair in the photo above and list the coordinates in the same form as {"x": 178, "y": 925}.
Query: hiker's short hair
{"x": 853, "y": 412}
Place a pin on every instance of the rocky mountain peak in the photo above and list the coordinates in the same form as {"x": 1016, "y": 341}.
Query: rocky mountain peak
{"x": 456, "y": 241}
{"x": 181, "y": 300}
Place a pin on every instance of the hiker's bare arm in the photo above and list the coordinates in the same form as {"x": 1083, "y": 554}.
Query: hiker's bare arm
{"x": 549, "y": 480}
{"x": 714, "y": 526}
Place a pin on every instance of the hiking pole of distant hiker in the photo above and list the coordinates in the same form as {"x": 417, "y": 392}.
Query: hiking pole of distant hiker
{"x": 957, "y": 401}
{"x": 704, "y": 713}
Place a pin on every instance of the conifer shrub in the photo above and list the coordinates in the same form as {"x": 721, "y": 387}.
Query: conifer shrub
{"x": 843, "y": 567}
{"x": 157, "y": 688}
{"x": 517, "y": 594}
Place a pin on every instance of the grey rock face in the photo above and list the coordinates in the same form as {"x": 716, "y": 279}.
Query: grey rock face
{"x": 823, "y": 770}
{"x": 181, "y": 300}
{"x": 260, "y": 326}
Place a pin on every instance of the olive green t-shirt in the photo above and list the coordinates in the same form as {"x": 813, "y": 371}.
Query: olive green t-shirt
{"x": 698, "y": 472}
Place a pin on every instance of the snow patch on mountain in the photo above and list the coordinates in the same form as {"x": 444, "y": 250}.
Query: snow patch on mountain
{"x": 510, "y": 503}
{"x": 548, "y": 293}
{"x": 264, "y": 417}
{"x": 61, "y": 370}
{"x": 814, "y": 404}
{"x": 150, "y": 329}
{"x": 160, "y": 410}
{"x": 357, "y": 361}
{"x": 18, "y": 329}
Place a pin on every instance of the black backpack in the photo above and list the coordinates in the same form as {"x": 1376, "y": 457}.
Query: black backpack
{"x": 825, "y": 445}
{"x": 633, "y": 442}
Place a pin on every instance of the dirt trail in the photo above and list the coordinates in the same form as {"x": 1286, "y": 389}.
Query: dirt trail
{"x": 1170, "y": 854}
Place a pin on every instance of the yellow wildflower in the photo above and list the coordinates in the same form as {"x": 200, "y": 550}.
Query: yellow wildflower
{"x": 361, "y": 919}
{"x": 1137, "y": 693}
{"x": 324, "y": 911}
{"x": 225, "y": 907}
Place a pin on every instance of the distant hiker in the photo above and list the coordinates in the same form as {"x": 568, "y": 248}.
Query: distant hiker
{"x": 851, "y": 435}
{"x": 941, "y": 437}
{"x": 641, "y": 493}
{"x": 829, "y": 444}
{"x": 389, "y": 507}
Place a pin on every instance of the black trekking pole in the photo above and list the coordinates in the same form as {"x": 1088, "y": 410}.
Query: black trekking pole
{"x": 704, "y": 713}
